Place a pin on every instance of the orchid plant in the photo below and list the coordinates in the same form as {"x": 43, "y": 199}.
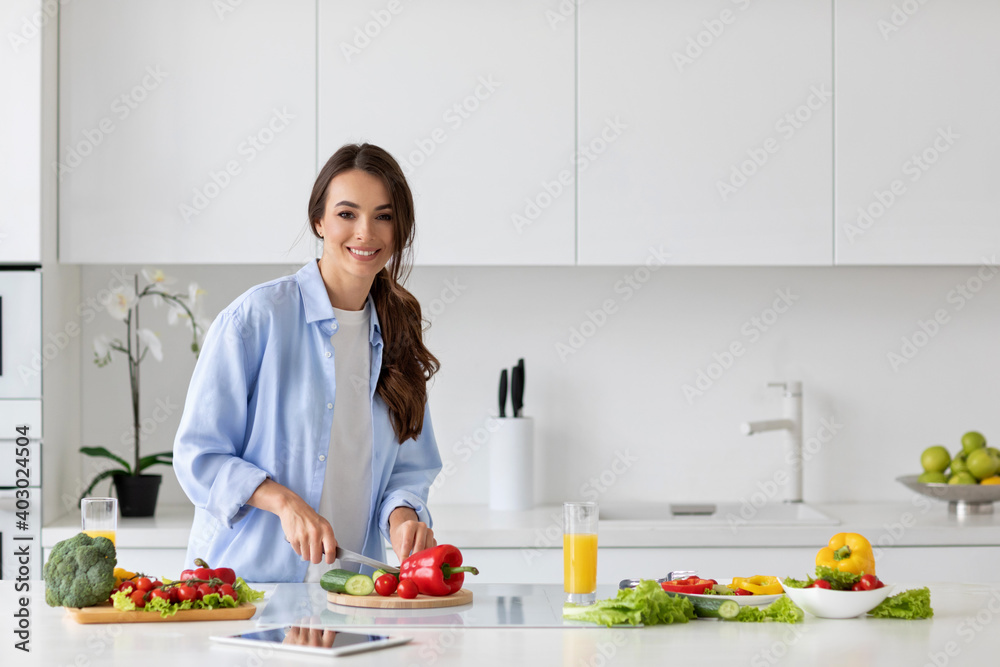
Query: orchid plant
{"x": 137, "y": 344}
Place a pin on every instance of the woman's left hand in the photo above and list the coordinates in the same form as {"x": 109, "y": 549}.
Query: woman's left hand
{"x": 408, "y": 534}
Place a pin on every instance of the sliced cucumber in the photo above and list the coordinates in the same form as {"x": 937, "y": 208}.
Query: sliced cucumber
{"x": 345, "y": 581}
{"x": 715, "y": 607}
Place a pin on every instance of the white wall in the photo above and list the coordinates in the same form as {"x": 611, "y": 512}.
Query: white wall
{"x": 621, "y": 392}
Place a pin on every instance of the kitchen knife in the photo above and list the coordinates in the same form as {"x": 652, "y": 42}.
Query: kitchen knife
{"x": 517, "y": 388}
{"x": 344, "y": 554}
{"x": 503, "y": 393}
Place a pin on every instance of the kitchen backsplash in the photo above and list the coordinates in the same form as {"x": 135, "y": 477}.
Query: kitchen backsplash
{"x": 639, "y": 379}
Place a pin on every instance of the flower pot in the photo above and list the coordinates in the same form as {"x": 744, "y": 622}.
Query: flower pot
{"x": 137, "y": 493}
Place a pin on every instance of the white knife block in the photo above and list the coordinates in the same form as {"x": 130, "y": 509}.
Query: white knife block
{"x": 512, "y": 464}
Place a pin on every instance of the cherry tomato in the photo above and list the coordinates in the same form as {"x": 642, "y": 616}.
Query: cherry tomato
{"x": 138, "y": 598}
{"x": 172, "y": 591}
{"x": 868, "y": 582}
{"x": 203, "y": 590}
{"x": 143, "y": 584}
{"x": 407, "y": 589}
{"x": 128, "y": 586}
{"x": 858, "y": 586}
{"x": 227, "y": 574}
{"x": 157, "y": 583}
{"x": 226, "y": 589}
{"x": 185, "y": 592}
{"x": 820, "y": 583}
{"x": 879, "y": 584}
{"x": 159, "y": 593}
{"x": 386, "y": 584}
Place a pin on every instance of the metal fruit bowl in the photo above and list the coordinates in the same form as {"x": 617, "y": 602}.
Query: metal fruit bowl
{"x": 963, "y": 499}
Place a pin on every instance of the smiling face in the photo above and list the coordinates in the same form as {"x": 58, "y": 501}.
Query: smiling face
{"x": 357, "y": 229}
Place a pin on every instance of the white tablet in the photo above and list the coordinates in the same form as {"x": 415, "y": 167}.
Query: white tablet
{"x": 318, "y": 641}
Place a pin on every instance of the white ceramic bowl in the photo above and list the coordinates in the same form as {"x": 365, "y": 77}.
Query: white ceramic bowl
{"x": 825, "y": 603}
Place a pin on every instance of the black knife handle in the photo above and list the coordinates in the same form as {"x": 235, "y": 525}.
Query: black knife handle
{"x": 517, "y": 390}
{"x": 503, "y": 393}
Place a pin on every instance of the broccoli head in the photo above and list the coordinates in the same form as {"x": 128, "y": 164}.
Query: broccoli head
{"x": 80, "y": 572}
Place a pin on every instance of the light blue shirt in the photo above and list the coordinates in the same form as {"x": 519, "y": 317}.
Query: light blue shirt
{"x": 260, "y": 404}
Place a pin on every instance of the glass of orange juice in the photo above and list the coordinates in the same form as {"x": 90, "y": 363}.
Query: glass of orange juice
{"x": 100, "y": 517}
{"x": 580, "y": 552}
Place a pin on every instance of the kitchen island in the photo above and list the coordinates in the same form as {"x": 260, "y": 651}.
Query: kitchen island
{"x": 962, "y": 632}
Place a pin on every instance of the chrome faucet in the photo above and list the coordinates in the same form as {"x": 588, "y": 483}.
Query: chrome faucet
{"x": 791, "y": 423}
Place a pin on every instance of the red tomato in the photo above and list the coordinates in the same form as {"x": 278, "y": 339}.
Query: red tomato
{"x": 157, "y": 583}
{"x": 185, "y": 592}
{"x": 143, "y": 584}
{"x": 203, "y": 590}
{"x": 742, "y": 591}
{"x": 127, "y": 586}
{"x": 407, "y": 589}
{"x": 226, "y": 589}
{"x": 858, "y": 586}
{"x": 138, "y": 599}
{"x": 868, "y": 582}
{"x": 878, "y": 583}
{"x": 159, "y": 593}
{"x": 172, "y": 591}
{"x": 820, "y": 583}
{"x": 386, "y": 584}
{"x": 227, "y": 574}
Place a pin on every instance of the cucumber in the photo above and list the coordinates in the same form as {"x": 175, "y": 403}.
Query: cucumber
{"x": 345, "y": 581}
{"x": 715, "y": 607}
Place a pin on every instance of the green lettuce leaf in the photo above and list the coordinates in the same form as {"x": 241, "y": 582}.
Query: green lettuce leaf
{"x": 647, "y": 603}
{"x": 911, "y": 604}
{"x": 782, "y": 610}
{"x": 798, "y": 583}
{"x": 839, "y": 581}
{"x": 244, "y": 593}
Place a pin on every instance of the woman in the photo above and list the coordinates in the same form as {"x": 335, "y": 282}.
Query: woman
{"x": 306, "y": 422}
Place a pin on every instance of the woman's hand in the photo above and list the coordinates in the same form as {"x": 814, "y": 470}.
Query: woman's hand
{"x": 408, "y": 534}
{"x": 310, "y": 535}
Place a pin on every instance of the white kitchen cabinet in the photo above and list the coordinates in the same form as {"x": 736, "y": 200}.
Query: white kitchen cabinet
{"x": 20, "y": 130}
{"x": 21, "y": 350}
{"x": 187, "y": 131}
{"x": 475, "y": 100}
{"x": 916, "y": 139}
{"x": 705, "y": 132}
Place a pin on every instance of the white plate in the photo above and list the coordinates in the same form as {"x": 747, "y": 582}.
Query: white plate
{"x": 741, "y": 600}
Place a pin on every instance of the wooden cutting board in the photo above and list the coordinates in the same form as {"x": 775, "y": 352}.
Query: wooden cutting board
{"x": 105, "y": 613}
{"x": 374, "y": 601}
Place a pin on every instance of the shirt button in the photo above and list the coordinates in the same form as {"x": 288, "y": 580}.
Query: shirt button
{"x": 322, "y": 457}
{"x": 329, "y": 406}
{"x": 329, "y": 354}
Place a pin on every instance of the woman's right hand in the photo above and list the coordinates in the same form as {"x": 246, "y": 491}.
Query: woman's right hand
{"x": 310, "y": 535}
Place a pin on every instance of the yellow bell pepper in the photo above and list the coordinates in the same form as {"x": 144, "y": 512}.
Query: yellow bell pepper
{"x": 848, "y": 552}
{"x": 758, "y": 585}
{"x": 121, "y": 574}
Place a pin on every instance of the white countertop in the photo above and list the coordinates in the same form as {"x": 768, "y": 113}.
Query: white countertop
{"x": 952, "y": 637}
{"x": 475, "y": 526}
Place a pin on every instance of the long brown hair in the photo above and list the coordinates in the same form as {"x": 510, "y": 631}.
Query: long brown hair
{"x": 407, "y": 364}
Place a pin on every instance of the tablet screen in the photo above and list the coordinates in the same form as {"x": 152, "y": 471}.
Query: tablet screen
{"x": 313, "y": 640}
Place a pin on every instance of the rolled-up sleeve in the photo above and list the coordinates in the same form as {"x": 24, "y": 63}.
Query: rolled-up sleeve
{"x": 417, "y": 464}
{"x": 211, "y": 438}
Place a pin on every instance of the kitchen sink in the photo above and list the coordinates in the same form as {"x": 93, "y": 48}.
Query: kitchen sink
{"x": 714, "y": 514}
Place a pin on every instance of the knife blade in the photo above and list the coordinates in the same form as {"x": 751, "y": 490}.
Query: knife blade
{"x": 517, "y": 388}
{"x": 503, "y": 393}
{"x": 344, "y": 554}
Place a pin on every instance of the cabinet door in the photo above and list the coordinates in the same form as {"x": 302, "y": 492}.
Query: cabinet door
{"x": 187, "y": 131}
{"x": 21, "y": 23}
{"x": 916, "y": 136}
{"x": 21, "y": 353}
{"x": 705, "y": 132}
{"x": 475, "y": 101}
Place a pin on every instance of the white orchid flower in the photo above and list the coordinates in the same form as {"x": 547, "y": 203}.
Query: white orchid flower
{"x": 157, "y": 277}
{"x": 121, "y": 302}
{"x": 102, "y": 346}
{"x": 175, "y": 314}
{"x": 194, "y": 292}
{"x": 152, "y": 342}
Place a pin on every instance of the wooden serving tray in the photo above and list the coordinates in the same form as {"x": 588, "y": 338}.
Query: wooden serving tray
{"x": 375, "y": 601}
{"x": 106, "y": 613}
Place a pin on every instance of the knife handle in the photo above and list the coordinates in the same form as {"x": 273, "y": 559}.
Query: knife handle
{"x": 503, "y": 393}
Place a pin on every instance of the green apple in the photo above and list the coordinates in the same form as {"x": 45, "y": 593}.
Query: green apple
{"x": 935, "y": 459}
{"x": 972, "y": 441}
{"x": 933, "y": 478}
{"x": 958, "y": 465}
{"x": 982, "y": 464}
{"x": 962, "y": 478}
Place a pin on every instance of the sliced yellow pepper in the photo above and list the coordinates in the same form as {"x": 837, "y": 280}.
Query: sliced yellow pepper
{"x": 848, "y": 552}
{"x": 758, "y": 585}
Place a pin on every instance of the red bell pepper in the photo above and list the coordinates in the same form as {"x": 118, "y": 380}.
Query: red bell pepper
{"x": 690, "y": 586}
{"x": 436, "y": 571}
